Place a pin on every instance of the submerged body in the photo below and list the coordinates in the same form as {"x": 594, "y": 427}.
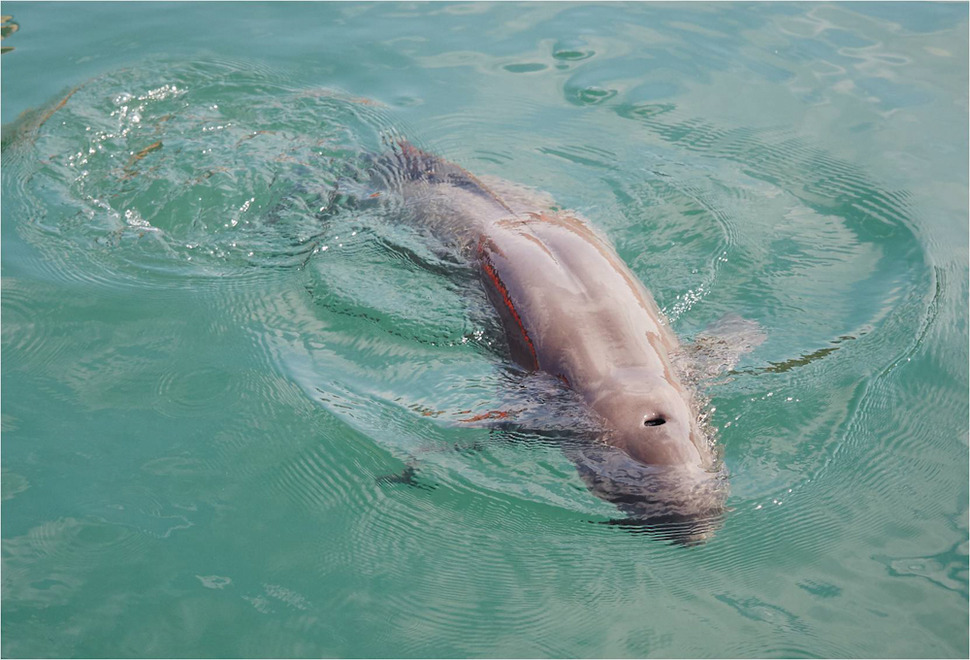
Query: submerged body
{"x": 570, "y": 307}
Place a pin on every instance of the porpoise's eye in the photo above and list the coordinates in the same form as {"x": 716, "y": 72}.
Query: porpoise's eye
{"x": 656, "y": 421}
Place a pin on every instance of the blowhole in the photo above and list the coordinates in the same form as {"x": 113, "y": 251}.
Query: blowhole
{"x": 656, "y": 421}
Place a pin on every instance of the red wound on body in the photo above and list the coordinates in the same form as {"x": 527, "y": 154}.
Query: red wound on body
{"x": 500, "y": 287}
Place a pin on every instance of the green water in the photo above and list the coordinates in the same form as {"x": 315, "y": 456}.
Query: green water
{"x": 204, "y": 377}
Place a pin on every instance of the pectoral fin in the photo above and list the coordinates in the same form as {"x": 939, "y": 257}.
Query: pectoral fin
{"x": 718, "y": 348}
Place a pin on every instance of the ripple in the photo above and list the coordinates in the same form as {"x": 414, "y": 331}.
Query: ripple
{"x": 60, "y": 550}
{"x": 586, "y": 155}
{"x": 688, "y": 229}
{"x": 152, "y": 176}
{"x": 572, "y": 50}
{"x": 12, "y": 484}
{"x": 193, "y": 392}
{"x": 839, "y": 227}
{"x": 525, "y": 67}
{"x": 590, "y": 95}
{"x": 444, "y": 584}
{"x": 27, "y": 336}
{"x": 774, "y": 158}
{"x": 314, "y": 480}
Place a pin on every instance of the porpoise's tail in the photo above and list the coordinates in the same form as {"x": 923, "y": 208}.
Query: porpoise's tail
{"x": 446, "y": 198}
{"x": 404, "y": 165}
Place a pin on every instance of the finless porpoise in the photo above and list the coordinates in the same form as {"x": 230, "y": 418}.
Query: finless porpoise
{"x": 571, "y": 308}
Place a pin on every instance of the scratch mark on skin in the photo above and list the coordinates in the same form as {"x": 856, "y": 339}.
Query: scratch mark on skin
{"x": 504, "y": 292}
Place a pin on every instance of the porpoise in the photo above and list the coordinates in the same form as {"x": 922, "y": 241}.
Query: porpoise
{"x": 572, "y": 308}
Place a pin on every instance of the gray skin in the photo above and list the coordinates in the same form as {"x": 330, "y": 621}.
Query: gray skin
{"x": 570, "y": 307}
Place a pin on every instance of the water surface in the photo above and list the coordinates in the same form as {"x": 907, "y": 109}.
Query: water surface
{"x": 206, "y": 377}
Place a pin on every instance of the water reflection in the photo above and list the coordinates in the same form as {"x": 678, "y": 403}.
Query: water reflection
{"x": 7, "y": 28}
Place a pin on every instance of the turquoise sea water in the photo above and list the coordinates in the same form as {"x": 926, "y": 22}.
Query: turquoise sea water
{"x": 204, "y": 378}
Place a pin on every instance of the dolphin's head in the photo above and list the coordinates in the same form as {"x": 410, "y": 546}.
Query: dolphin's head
{"x": 652, "y": 419}
{"x": 654, "y": 462}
